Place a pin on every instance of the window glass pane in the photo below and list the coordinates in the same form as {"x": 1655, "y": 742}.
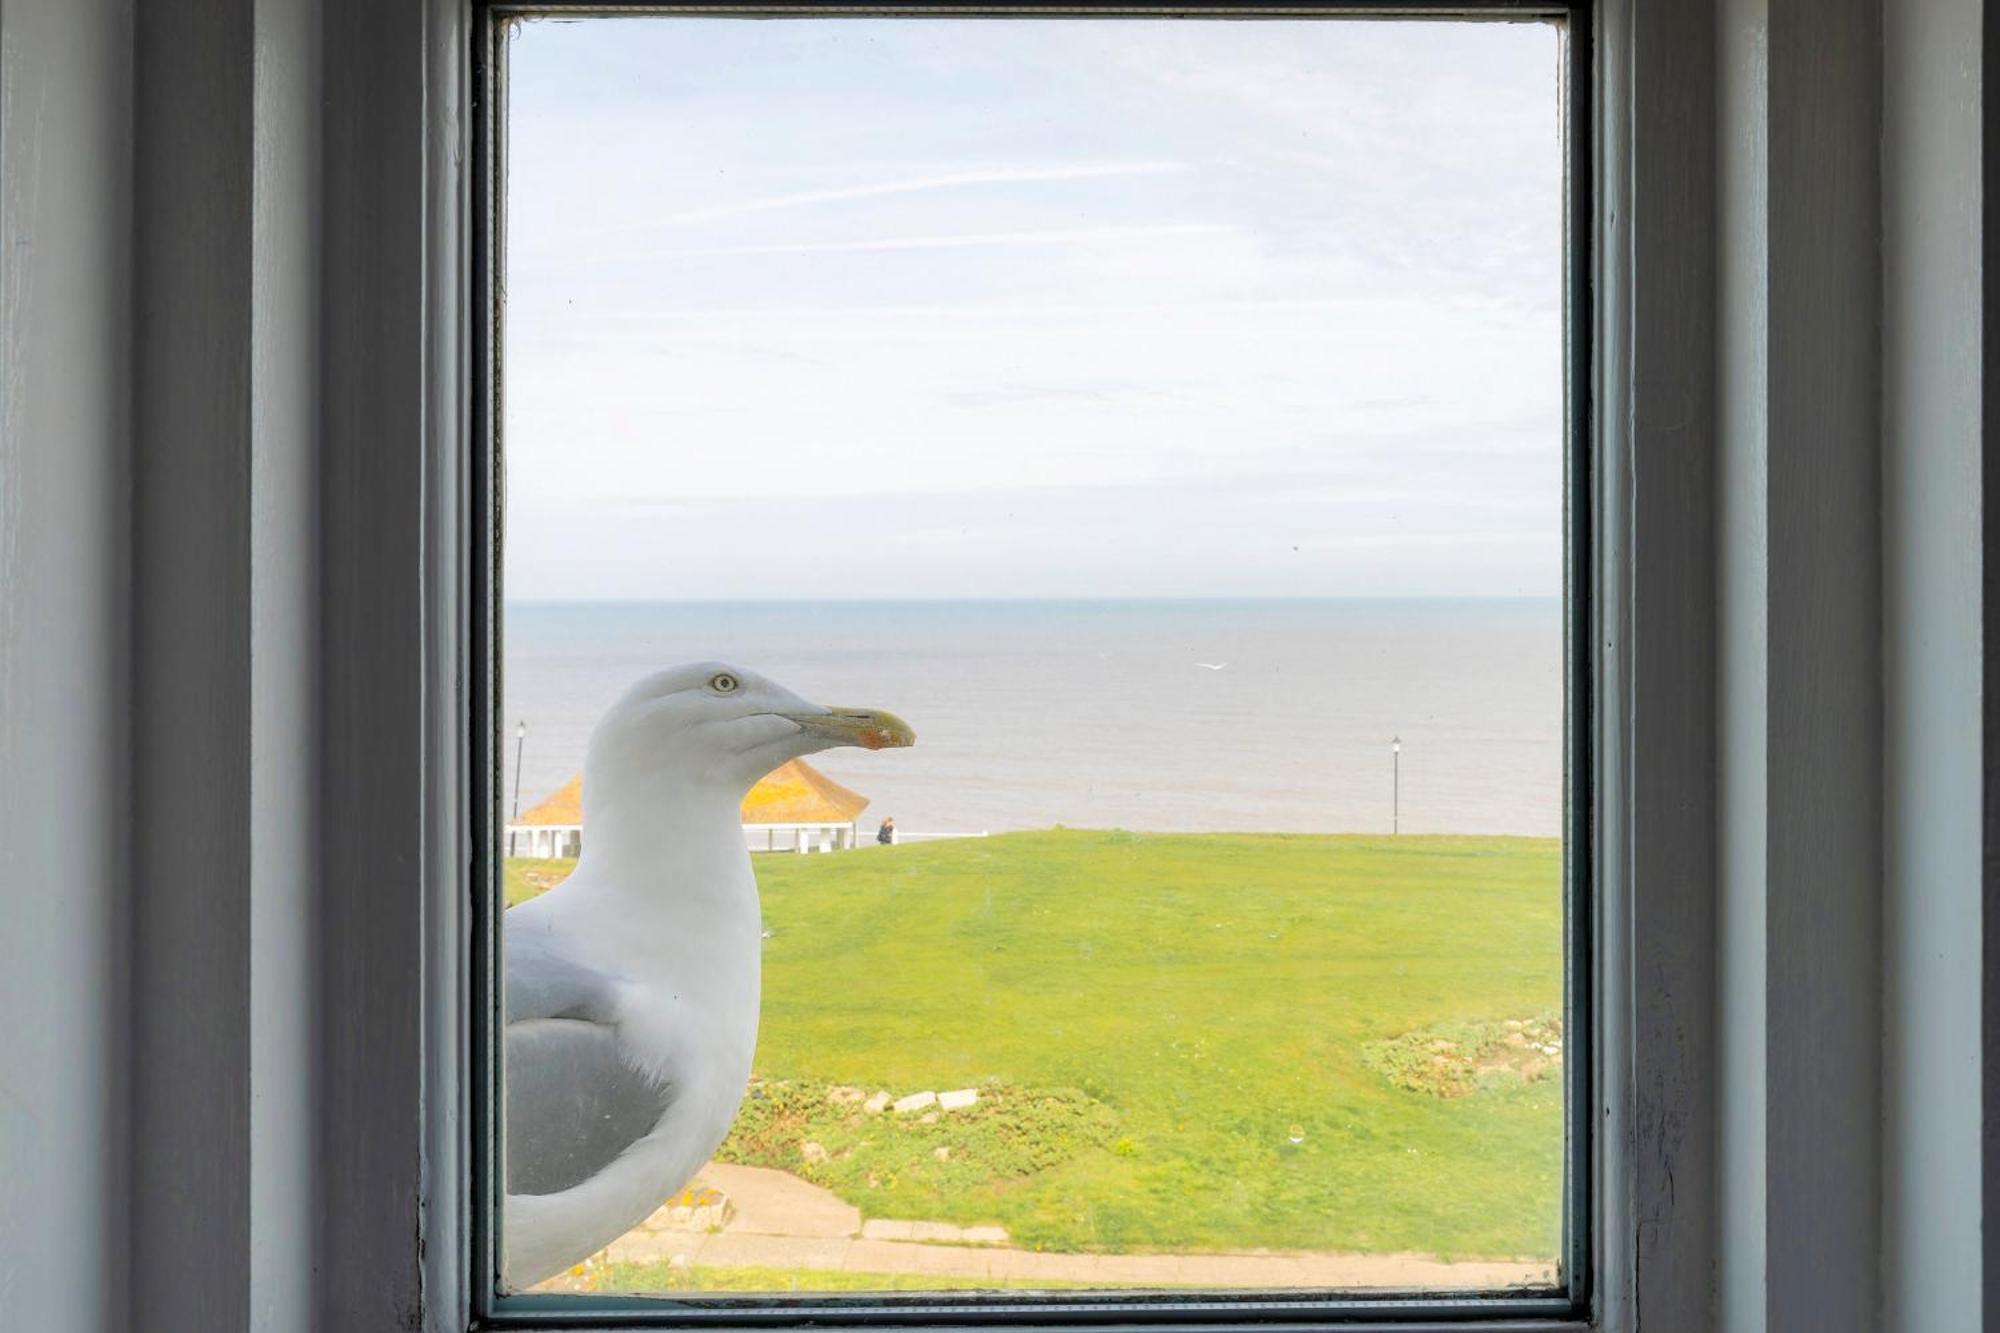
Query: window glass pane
{"x": 1146, "y": 437}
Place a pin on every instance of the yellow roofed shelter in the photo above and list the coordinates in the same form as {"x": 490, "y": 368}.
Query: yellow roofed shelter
{"x": 794, "y": 808}
{"x": 553, "y": 827}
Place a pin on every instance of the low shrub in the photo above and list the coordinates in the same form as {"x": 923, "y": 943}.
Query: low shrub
{"x": 1459, "y": 1059}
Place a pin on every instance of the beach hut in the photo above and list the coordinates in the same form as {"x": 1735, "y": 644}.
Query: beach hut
{"x": 552, "y": 828}
{"x": 795, "y": 808}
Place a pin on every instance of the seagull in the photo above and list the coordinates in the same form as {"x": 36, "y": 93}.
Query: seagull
{"x": 631, "y": 988}
{"x": 1211, "y": 666}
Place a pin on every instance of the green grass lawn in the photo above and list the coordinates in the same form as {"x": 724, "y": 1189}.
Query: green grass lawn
{"x": 521, "y": 878}
{"x": 1155, "y": 1019}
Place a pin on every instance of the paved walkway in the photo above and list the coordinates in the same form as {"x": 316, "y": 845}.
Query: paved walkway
{"x": 780, "y": 1221}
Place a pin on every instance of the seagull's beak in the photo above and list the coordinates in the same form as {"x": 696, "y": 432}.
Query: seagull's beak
{"x": 869, "y": 728}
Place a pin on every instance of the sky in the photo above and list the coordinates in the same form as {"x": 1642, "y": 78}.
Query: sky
{"x": 875, "y": 307}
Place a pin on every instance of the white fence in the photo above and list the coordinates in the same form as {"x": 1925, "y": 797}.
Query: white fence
{"x": 547, "y": 840}
{"x": 799, "y": 837}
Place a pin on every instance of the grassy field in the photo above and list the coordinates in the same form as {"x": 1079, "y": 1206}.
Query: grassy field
{"x": 1185, "y": 1041}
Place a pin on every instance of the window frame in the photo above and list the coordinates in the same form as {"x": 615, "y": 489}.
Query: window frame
{"x": 1589, "y": 649}
{"x": 316, "y": 215}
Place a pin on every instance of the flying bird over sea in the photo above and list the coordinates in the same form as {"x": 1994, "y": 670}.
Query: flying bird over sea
{"x": 631, "y": 988}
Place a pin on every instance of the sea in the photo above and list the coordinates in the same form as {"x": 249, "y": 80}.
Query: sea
{"x": 1307, "y": 715}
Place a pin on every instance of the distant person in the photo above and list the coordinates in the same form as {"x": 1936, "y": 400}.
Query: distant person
{"x": 886, "y": 835}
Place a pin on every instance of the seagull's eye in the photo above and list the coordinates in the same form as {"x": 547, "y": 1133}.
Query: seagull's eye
{"x": 724, "y": 683}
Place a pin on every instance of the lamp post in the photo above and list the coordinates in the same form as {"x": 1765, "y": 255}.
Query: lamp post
{"x": 1395, "y": 784}
{"x": 520, "y": 739}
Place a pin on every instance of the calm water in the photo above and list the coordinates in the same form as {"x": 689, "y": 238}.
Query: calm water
{"x": 1096, "y": 714}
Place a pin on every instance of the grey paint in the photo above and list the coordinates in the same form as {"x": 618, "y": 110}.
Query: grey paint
{"x": 284, "y": 647}
{"x": 191, "y": 521}
{"x": 1658, "y": 711}
{"x": 224, "y": 785}
{"x": 1742, "y": 592}
{"x": 283, "y": 1023}
{"x": 1614, "y": 1207}
{"x": 1824, "y": 716}
{"x": 391, "y": 701}
{"x": 1799, "y": 664}
{"x": 446, "y": 240}
{"x": 65, "y": 309}
{"x": 1989, "y": 645}
{"x": 331, "y": 576}
{"x": 224, "y": 780}
{"x": 1850, "y": 770}
{"x": 1931, "y": 476}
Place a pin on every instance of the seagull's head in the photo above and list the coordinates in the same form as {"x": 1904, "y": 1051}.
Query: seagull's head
{"x": 709, "y": 727}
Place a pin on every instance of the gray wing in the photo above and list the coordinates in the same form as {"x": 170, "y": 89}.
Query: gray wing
{"x": 573, "y": 1103}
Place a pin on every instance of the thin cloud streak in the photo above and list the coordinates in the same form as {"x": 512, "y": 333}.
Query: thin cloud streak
{"x": 951, "y": 181}
{"x": 967, "y": 240}
{"x": 1359, "y": 306}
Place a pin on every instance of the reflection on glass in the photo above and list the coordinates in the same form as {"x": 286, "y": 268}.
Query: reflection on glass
{"x": 1166, "y": 419}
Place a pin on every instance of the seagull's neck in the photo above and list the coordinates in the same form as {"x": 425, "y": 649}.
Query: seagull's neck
{"x": 666, "y": 851}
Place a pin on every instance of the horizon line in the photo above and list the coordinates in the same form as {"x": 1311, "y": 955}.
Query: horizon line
{"x": 1086, "y": 599}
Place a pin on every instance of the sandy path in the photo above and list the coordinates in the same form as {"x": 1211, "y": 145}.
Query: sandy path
{"x": 780, "y": 1221}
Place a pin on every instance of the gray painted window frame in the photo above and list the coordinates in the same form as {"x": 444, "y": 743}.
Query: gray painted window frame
{"x": 233, "y": 421}
{"x": 395, "y": 1148}
{"x": 1572, "y": 1303}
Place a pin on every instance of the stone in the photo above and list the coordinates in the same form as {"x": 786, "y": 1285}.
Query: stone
{"x": 841, "y": 1095}
{"x": 928, "y": 1118}
{"x": 696, "y": 1208}
{"x": 942, "y": 1154}
{"x": 876, "y": 1104}
{"x": 812, "y": 1152}
{"x": 958, "y": 1100}
{"x": 916, "y": 1101}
